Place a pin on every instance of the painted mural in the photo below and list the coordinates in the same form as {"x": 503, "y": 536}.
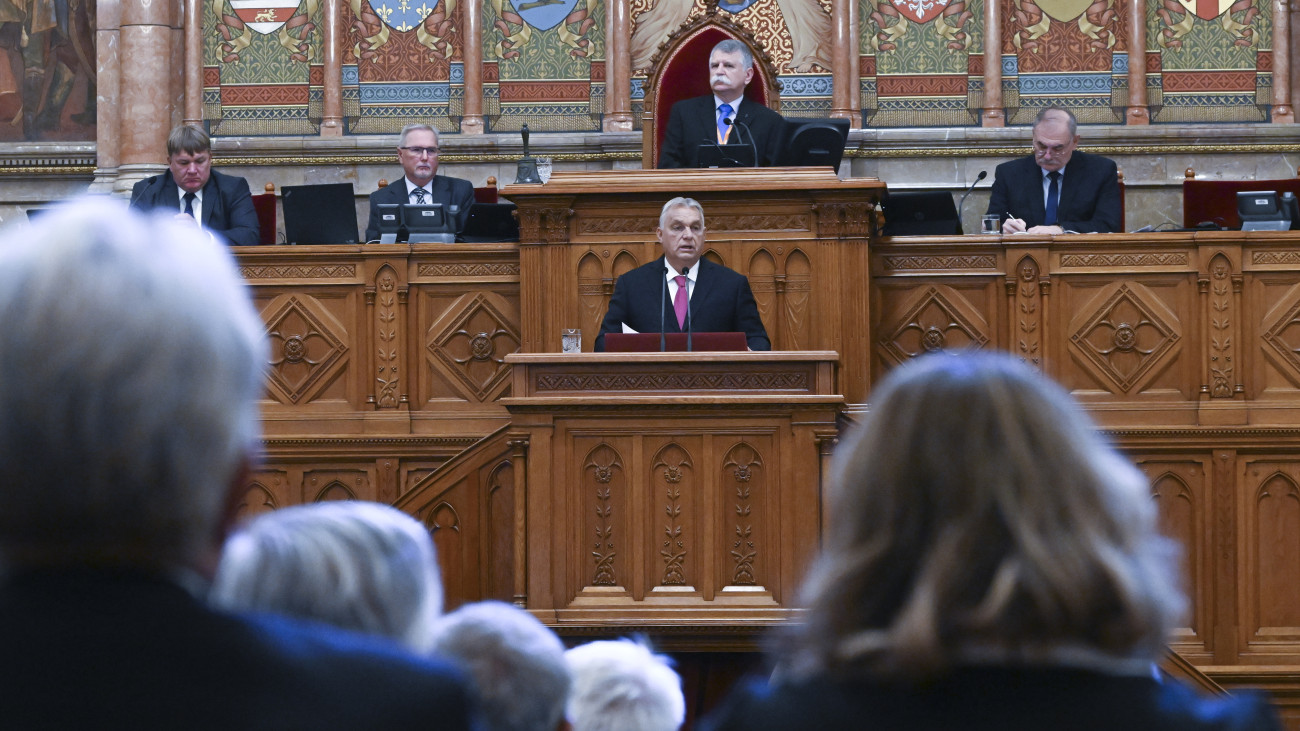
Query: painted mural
{"x": 47, "y": 70}
{"x": 1210, "y": 60}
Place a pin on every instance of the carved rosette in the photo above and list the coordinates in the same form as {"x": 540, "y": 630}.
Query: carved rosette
{"x": 387, "y": 377}
{"x": 743, "y": 463}
{"x": 602, "y": 464}
{"x": 673, "y": 466}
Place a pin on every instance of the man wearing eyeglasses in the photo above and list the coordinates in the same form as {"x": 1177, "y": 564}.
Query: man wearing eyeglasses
{"x": 418, "y": 152}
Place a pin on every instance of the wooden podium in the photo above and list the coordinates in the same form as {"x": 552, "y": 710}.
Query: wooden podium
{"x": 669, "y": 488}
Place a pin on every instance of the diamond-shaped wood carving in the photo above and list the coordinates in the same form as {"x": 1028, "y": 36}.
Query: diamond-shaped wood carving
{"x": 1126, "y": 337}
{"x": 305, "y": 349}
{"x": 472, "y": 348}
{"x": 936, "y": 321}
{"x": 1283, "y": 335}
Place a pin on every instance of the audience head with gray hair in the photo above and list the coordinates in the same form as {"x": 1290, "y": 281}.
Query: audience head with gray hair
{"x": 620, "y": 685}
{"x": 131, "y": 365}
{"x": 515, "y": 662}
{"x": 131, "y": 360}
{"x": 357, "y": 565}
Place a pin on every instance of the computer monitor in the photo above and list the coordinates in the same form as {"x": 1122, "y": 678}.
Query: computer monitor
{"x": 1260, "y": 210}
{"x": 325, "y": 213}
{"x": 920, "y": 213}
{"x": 733, "y": 155}
{"x": 428, "y": 224}
{"x": 814, "y": 142}
{"x": 390, "y": 222}
{"x": 489, "y": 222}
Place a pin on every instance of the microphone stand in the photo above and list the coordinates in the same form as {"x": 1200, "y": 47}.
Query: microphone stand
{"x": 749, "y": 132}
{"x": 983, "y": 174}
{"x": 686, "y": 273}
{"x": 663, "y": 299}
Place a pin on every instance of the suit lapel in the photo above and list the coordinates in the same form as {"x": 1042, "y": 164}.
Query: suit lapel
{"x": 169, "y": 195}
{"x": 1071, "y": 184}
{"x": 211, "y": 199}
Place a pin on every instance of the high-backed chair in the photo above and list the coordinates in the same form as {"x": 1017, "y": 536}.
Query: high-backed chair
{"x": 264, "y": 204}
{"x": 488, "y": 193}
{"x": 1216, "y": 200}
{"x": 680, "y": 70}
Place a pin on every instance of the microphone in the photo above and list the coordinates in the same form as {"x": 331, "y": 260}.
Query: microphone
{"x": 728, "y": 121}
{"x": 663, "y": 299}
{"x": 686, "y": 273}
{"x": 983, "y": 174}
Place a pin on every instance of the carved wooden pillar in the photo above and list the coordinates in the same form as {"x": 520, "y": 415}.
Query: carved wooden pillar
{"x": 193, "y": 71}
{"x": 472, "y": 54}
{"x": 1137, "y": 112}
{"x": 331, "y": 123}
{"x": 1283, "y": 112}
{"x": 845, "y": 71}
{"x": 108, "y": 80}
{"x": 618, "y": 67}
{"x": 146, "y": 102}
{"x": 993, "y": 116}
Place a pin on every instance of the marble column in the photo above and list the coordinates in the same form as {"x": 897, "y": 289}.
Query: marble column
{"x": 994, "y": 115}
{"x": 1137, "y": 112}
{"x": 1283, "y": 112}
{"x": 193, "y": 74}
{"x": 108, "y": 78}
{"x": 147, "y": 41}
{"x": 331, "y": 123}
{"x": 618, "y": 67}
{"x": 846, "y": 75}
{"x": 472, "y": 122}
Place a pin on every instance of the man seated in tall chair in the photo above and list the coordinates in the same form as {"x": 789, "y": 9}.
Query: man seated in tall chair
{"x": 195, "y": 192}
{"x": 718, "y": 299}
{"x": 724, "y": 116}
{"x": 1057, "y": 189}
{"x": 418, "y": 151}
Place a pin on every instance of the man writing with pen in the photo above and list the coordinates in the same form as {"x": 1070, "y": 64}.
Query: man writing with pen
{"x": 723, "y": 117}
{"x": 680, "y": 291}
{"x": 1056, "y": 189}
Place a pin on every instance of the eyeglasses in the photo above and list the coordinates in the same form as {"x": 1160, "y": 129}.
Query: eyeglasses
{"x": 418, "y": 151}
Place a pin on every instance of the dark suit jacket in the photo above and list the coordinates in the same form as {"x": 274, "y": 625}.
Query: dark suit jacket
{"x": 101, "y": 648}
{"x": 992, "y": 699}
{"x": 694, "y": 121}
{"x": 442, "y": 189}
{"x": 227, "y": 205}
{"x": 1089, "y": 202}
{"x": 722, "y": 302}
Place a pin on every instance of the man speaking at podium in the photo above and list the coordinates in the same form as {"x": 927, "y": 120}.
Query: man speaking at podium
{"x": 718, "y": 299}
{"x": 723, "y": 117}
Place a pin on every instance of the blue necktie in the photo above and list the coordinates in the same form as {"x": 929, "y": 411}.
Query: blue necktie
{"x": 724, "y": 113}
{"x": 189, "y": 204}
{"x": 1053, "y": 195}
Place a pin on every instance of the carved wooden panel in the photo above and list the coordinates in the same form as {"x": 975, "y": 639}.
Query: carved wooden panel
{"x": 1271, "y": 621}
{"x": 309, "y": 346}
{"x": 1122, "y": 336}
{"x": 464, "y": 340}
{"x": 1181, "y": 490}
{"x": 469, "y": 507}
{"x": 934, "y": 318}
{"x": 339, "y": 484}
